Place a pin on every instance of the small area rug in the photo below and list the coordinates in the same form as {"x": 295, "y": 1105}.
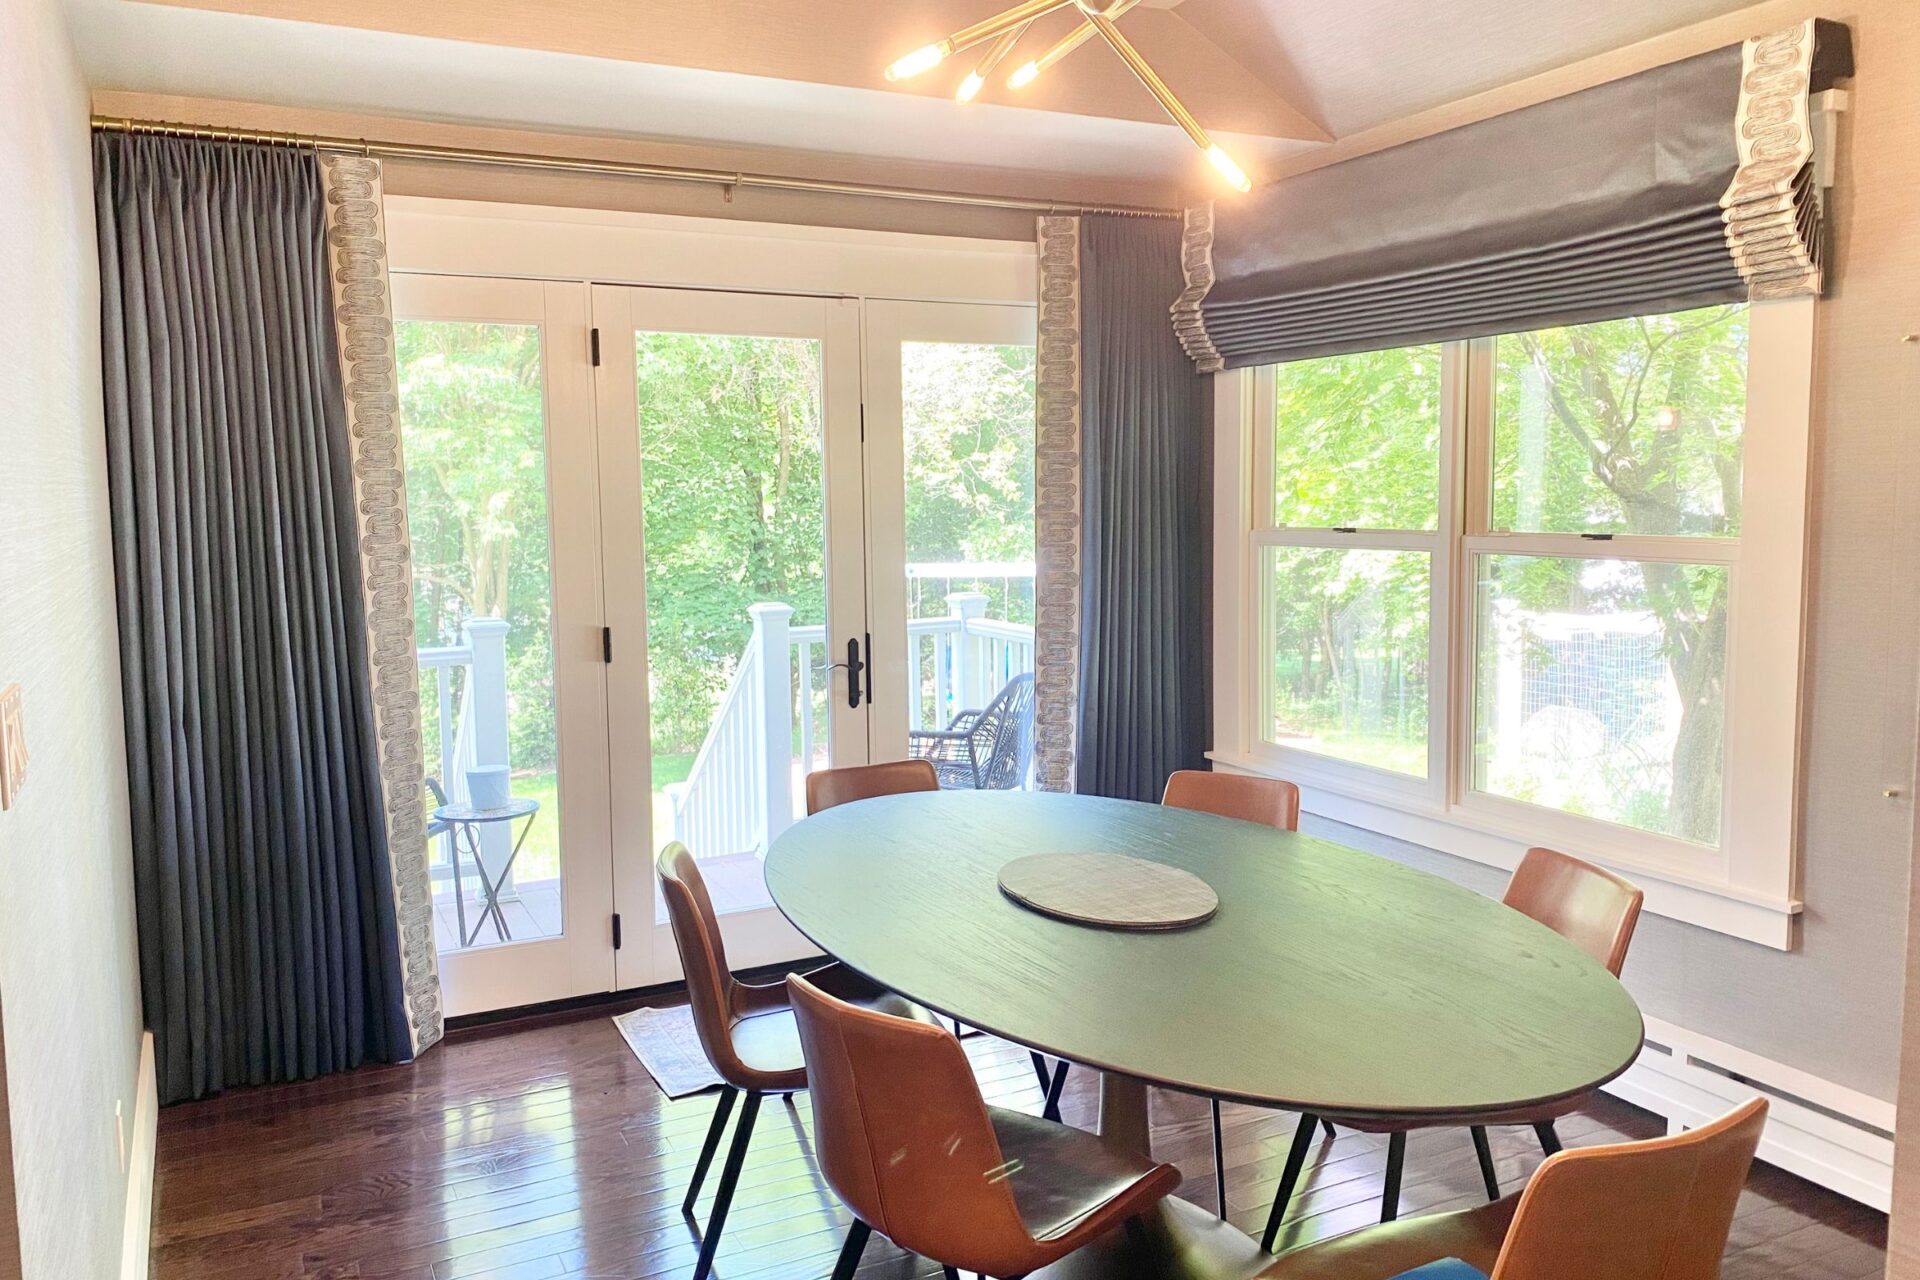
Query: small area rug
{"x": 669, "y": 1048}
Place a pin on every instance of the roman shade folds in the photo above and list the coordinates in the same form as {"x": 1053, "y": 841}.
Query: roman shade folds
{"x": 1687, "y": 185}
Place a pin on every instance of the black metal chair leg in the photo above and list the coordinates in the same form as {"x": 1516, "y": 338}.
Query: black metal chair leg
{"x": 1219, "y": 1164}
{"x": 1296, "y": 1160}
{"x": 1396, "y": 1163}
{"x": 1328, "y": 1126}
{"x": 1051, "y": 1111}
{"x": 721, "y": 1111}
{"x": 1481, "y": 1149}
{"x": 729, "y": 1179}
{"x": 1549, "y": 1137}
{"x": 850, "y": 1252}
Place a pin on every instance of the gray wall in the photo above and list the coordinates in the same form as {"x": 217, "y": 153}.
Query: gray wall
{"x": 1832, "y": 1006}
{"x": 67, "y": 980}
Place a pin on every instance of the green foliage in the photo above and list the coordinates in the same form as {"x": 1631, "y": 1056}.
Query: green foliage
{"x": 1357, "y": 440}
{"x": 474, "y": 429}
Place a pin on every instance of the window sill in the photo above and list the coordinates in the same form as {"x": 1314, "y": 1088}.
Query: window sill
{"x": 1719, "y": 907}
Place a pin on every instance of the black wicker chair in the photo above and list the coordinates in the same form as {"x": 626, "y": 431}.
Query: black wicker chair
{"x": 983, "y": 750}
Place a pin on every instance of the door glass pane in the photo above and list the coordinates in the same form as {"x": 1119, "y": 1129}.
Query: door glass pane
{"x": 473, "y": 425}
{"x": 1347, "y": 644}
{"x": 1600, "y": 689}
{"x": 733, "y": 504}
{"x": 968, "y": 415}
{"x": 1626, "y": 426}
{"x": 1356, "y": 441}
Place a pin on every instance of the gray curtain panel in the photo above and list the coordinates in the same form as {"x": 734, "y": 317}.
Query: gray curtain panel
{"x": 1144, "y": 517}
{"x": 267, "y": 938}
{"x": 1683, "y": 186}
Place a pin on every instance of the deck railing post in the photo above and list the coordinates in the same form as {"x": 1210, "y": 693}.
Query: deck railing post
{"x": 774, "y": 759}
{"x": 487, "y": 705}
{"x": 969, "y": 682}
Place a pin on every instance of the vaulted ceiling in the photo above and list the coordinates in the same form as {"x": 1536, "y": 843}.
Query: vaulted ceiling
{"x": 1273, "y": 77}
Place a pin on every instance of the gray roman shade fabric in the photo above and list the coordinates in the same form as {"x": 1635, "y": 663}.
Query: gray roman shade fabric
{"x": 1683, "y": 186}
{"x": 263, "y": 889}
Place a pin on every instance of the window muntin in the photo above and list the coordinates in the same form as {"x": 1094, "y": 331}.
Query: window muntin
{"x": 1356, "y": 441}
{"x": 1633, "y": 426}
{"x": 1347, "y": 650}
{"x": 1600, "y": 689}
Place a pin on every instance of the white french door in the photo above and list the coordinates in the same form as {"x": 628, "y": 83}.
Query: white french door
{"x": 733, "y": 522}
{"x": 502, "y": 492}
{"x": 950, "y": 457}
{"x": 657, "y": 532}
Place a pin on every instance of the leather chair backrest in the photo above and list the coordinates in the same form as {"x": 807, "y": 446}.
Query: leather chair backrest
{"x": 1590, "y": 906}
{"x": 829, "y": 787}
{"x": 902, "y": 1135}
{"x": 1657, "y": 1210}
{"x": 703, "y": 958}
{"x": 1236, "y": 795}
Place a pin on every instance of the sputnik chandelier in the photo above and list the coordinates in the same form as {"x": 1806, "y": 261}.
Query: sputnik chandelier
{"x": 1004, "y": 31}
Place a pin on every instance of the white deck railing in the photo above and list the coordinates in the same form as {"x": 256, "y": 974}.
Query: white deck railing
{"x": 742, "y": 789}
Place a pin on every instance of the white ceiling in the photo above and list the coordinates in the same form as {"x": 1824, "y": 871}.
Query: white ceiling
{"x": 1346, "y": 65}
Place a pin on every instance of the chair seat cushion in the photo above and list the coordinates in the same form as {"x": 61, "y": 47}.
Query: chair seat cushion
{"x": 1392, "y": 1249}
{"x": 768, "y": 1043}
{"x": 1059, "y": 1176}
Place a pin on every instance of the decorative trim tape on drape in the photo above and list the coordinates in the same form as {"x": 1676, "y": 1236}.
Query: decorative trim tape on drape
{"x": 363, "y": 318}
{"x": 1686, "y": 185}
{"x": 1056, "y": 506}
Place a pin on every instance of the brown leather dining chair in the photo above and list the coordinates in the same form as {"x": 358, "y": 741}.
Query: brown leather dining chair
{"x": 746, "y": 1030}
{"x": 1591, "y": 907}
{"x": 1268, "y": 801}
{"x": 829, "y": 787}
{"x": 905, "y": 1140}
{"x": 1655, "y": 1210}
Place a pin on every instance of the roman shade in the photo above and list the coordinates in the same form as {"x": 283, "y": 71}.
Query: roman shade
{"x": 1683, "y": 186}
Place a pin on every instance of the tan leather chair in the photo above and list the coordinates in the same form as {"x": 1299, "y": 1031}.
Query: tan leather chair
{"x": 1591, "y": 907}
{"x": 747, "y": 1031}
{"x": 1268, "y": 801}
{"x": 905, "y": 1140}
{"x": 1657, "y": 1210}
{"x": 829, "y": 787}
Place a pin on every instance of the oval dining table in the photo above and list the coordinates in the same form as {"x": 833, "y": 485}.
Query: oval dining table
{"x": 1329, "y": 980}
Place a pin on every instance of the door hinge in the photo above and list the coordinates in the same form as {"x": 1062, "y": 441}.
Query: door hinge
{"x": 593, "y": 344}
{"x": 616, "y": 931}
{"x": 606, "y": 645}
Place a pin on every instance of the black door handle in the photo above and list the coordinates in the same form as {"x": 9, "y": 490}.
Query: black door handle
{"x": 854, "y": 668}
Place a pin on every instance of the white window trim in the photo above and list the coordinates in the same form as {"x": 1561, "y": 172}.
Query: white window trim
{"x": 1749, "y": 886}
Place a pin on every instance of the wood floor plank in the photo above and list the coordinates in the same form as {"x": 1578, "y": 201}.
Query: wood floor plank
{"x": 545, "y": 1152}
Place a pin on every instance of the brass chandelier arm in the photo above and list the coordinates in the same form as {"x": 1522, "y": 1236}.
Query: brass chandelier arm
{"x": 927, "y": 57}
{"x": 1030, "y": 71}
{"x": 1146, "y": 75}
{"x": 998, "y": 51}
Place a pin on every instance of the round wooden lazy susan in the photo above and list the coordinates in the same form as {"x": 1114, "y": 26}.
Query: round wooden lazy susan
{"x": 1111, "y": 890}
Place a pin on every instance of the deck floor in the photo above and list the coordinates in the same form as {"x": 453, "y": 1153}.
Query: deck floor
{"x": 544, "y": 1151}
{"x": 735, "y": 882}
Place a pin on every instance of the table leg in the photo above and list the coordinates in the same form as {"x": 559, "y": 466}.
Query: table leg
{"x": 459, "y": 891}
{"x": 1124, "y": 1122}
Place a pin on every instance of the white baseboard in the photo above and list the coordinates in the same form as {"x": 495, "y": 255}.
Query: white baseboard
{"x": 137, "y": 1232}
{"x": 1826, "y": 1133}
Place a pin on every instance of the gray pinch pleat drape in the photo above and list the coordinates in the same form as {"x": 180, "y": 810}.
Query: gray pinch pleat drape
{"x": 267, "y": 932}
{"x": 1145, "y": 517}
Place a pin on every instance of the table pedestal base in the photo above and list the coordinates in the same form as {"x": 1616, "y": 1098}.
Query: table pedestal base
{"x": 1124, "y": 1119}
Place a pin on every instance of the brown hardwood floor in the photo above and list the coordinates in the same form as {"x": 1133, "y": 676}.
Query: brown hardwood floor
{"x": 530, "y": 1152}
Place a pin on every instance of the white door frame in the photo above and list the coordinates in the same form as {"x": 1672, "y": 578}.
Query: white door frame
{"x": 889, "y": 324}
{"x": 580, "y": 961}
{"x": 647, "y": 955}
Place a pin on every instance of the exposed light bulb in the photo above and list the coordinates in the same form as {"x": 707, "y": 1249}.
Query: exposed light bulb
{"x": 925, "y": 58}
{"x": 969, "y": 87}
{"x": 1025, "y": 74}
{"x": 1235, "y": 176}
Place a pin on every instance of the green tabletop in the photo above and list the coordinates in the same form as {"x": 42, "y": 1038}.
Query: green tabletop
{"x": 1330, "y": 979}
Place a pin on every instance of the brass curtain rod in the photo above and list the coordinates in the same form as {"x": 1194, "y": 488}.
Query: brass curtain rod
{"x": 620, "y": 168}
